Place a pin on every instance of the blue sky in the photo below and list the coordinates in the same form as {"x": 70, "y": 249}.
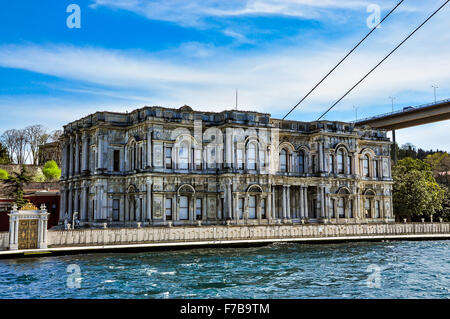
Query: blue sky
{"x": 131, "y": 53}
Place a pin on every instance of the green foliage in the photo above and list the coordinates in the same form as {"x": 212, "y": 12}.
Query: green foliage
{"x": 440, "y": 165}
{"x": 39, "y": 176}
{"x": 416, "y": 192}
{"x": 14, "y": 185}
{"x": 3, "y": 174}
{"x": 51, "y": 171}
{"x": 4, "y": 156}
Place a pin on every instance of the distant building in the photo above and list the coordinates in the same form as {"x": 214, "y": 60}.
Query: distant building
{"x": 158, "y": 165}
{"x": 48, "y": 152}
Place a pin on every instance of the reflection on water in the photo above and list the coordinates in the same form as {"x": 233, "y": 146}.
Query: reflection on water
{"x": 406, "y": 270}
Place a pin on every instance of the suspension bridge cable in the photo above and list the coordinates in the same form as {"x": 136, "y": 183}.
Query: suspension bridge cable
{"x": 384, "y": 59}
{"x": 343, "y": 59}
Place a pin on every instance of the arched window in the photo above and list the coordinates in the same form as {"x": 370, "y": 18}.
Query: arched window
{"x": 252, "y": 207}
{"x": 183, "y": 157}
{"x": 184, "y": 208}
{"x": 283, "y": 160}
{"x": 340, "y": 161}
{"x": 262, "y": 157}
{"x": 251, "y": 156}
{"x": 301, "y": 162}
{"x": 366, "y": 165}
{"x": 341, "y": 211}
{"x": 368, "y": 208}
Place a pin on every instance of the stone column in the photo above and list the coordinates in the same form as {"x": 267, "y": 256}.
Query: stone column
{"x": 301, "y": 202}
{"x": 149, "y": 199}
{"x": 269, "y": 205}
{"x": 229, "y": 201}
{"x": 62, "y": 203}
{"x": 64, "y": 160}
{"x": 77, "y": 155}
{"x": 84, "y": 152}
{"x": 71, "y": 157}
{"x": 320, "y": 146}
{"x": 274, "y": 208}
{"x": 70, "y": 204}
{"x": 284, "y": 202}
{"x": 149, "y": 148}
{"x": 306, "y": 210}
{"x": 100, "y": 152}
{"x": 228, "y": 147}
{"x": 193, "y": 204}
{"x": 76, "y": 207}
{"x": 84, "y": 195}
{"x": 288, "y": 202}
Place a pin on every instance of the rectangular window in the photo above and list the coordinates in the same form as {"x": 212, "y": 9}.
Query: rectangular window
{"x": 116, "y": 210}
{"x": 241, "y": 208}
{"x": 375, "y": 168}
{"x": 198, "y": 209}
{"x": 263, "y": 208}
{"x": 262, "y": 159}
{"x": 184, "y": 208}
{"x": 168, "y": 157}
{"x": 240, "y": 164}
{"x": 252, "y": 207}
{"x": 116, "y": 165}
{"x": 168, "y": 208}
{"x": 198, "y": 159}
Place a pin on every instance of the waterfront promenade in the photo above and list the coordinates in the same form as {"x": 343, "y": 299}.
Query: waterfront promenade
{"x": 147, "y": 238}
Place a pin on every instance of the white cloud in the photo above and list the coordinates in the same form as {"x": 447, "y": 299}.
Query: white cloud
{"x": 191, "y": 13}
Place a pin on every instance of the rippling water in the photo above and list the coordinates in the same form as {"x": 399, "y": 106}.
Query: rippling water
{"x": 407, "y": 269}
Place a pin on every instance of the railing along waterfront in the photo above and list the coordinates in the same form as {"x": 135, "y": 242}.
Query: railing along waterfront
{"x": 212, "y": 234}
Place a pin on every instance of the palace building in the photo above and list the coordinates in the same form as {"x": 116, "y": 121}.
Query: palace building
{"x": 164, "y": 166}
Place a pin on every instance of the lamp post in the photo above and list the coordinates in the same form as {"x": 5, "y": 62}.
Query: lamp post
{"x": 435, "y": 87}
{"x": 356, "y": 112}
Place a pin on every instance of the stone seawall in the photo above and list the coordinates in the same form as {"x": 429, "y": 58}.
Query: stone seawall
{"x": 211, "y": 234}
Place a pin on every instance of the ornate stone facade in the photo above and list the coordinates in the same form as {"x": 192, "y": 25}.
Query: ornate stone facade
{"x": 161, "y": 166}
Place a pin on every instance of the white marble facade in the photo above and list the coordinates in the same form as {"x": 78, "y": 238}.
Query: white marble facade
{"x": 162, "y": 166}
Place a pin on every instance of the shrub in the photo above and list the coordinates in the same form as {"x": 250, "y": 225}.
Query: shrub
{"x": 3, "y": 174}
{"x": 51, "y": 171}
{"x": 38, "y": 176}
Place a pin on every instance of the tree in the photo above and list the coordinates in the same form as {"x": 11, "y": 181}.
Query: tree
{"x": 14, "y": 186}
{"x": 51, "y": 170}
{"x": 440, "y": 165}
{"x": 3, "y": 174}
{"x": 16, "y": 143}
{"x": 416, "y": 192}
{"x": 35, "y": 135}
{"x": 4, "y": 155}
{"x": 39, "y": 176}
